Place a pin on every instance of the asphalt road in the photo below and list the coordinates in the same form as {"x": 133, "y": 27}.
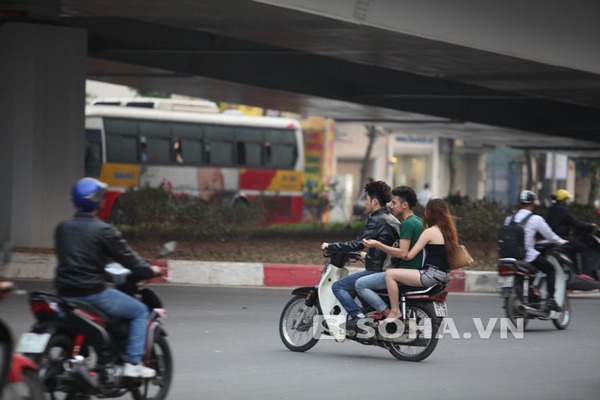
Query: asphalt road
{"x": 226, "y": 346}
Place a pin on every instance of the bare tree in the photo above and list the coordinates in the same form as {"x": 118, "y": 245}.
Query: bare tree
{"x": 372, "y": 134}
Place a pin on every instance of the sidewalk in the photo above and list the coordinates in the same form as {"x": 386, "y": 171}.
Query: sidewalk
{"x": 41, "y": 266}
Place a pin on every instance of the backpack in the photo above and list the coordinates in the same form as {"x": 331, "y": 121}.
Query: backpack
{"x": 511, "y": 239}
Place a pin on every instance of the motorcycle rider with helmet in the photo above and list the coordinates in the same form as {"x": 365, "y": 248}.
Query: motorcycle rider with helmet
{"x": 84, "y": 245}
{"x": 534, "y": 225}
{"x": 563, "y": 222}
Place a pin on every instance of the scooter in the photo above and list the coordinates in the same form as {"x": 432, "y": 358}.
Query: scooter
{"x": 315, "y": 313}
{"x": 524, "y": 288}
{"x": 592, "y": 240}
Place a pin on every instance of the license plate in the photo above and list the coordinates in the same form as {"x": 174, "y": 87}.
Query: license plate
{"x": 32, "y": 343}
{"x": 505, "y": 281}
{"x": 441, "y": 310}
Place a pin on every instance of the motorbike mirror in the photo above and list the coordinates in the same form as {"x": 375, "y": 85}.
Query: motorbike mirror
{"x": 167, "y": 248}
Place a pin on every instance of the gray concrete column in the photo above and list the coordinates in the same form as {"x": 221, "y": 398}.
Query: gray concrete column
{"x": 42, "y": 106}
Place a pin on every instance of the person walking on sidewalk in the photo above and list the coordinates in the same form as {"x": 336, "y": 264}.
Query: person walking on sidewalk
{"x": 380, "y": 225}
{"x": 84, "y": 245}
{"x": 440, "y": 241}
{"x": 404, "y": 199}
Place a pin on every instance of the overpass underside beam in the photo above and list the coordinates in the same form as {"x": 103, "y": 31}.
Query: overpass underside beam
{"x": 233, "y": 62}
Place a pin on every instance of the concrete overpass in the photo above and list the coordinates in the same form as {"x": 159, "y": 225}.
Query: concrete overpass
{"x": 530, "y": 69}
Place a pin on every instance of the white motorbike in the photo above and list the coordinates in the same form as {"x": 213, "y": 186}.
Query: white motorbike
{"x": 524, "y": 287}
{"x": 315, "y": 313}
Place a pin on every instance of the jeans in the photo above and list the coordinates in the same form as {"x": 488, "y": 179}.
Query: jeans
{"x": 120, "y": 305}
{"x": 366, "y": 286}
{"x": 341, "y": 290}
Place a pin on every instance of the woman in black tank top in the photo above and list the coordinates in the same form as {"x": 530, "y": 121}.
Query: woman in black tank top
{"x": 440, "y": 241}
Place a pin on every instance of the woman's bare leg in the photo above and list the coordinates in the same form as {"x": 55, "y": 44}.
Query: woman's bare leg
{"x": 411, "y": 277}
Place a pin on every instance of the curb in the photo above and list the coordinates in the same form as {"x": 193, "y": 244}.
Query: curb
{"x": 41, "y": 266}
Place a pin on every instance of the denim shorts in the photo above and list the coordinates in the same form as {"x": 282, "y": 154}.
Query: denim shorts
{"x": 431, "y": 276}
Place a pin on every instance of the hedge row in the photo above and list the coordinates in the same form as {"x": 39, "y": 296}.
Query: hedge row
{"x": 158, "y": 214}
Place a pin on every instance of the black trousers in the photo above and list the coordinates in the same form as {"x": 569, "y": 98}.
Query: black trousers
{"x": 544, "y": 265}
{"x": 584, "y": 251}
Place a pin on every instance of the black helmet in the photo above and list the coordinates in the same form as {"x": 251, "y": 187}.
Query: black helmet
{"x": 527, "y": 197}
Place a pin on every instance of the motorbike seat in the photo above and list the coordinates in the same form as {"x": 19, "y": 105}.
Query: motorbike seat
{"x": 90, "y": 309}
{"x": 526, "y": 268}
{"x": 414, "y": 290}
{"x": 117, "y": 326}
{"x": 521, "y": 266}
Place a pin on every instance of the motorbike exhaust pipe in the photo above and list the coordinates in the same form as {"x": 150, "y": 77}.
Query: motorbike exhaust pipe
{"x": 86, "y": 380}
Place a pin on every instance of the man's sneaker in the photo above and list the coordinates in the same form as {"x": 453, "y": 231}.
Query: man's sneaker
{"x": 552, "y": 306}
{"x": 352, "y": 323}
{"x": 138, "y": 371}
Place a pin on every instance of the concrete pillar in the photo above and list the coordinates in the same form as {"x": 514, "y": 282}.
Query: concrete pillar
{"x": 42, "y": 107}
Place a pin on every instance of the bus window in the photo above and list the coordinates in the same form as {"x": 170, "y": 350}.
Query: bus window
{"x": 158, "y": 141}
{"x": 121, "y": 141}
{"x": 219, "y": 145}
{"x": 93, "y": 152}
{"x": 249, "y": 146}
{"x": 190, "y": 141}
{"x": 176, "y": 151}
{"x": 280, "y": 148}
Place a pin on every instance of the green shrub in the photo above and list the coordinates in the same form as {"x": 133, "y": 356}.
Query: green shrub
{"x": 154, "y": 214}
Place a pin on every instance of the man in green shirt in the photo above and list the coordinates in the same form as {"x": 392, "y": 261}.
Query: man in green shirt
{"x": 404, "y": 199}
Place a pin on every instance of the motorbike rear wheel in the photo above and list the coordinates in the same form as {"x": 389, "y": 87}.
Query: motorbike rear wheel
{"x": 565, "y": 316}
{"x": 296, "y": 325}
{"x": 51, "y": 363}
{"x": 428, "y": 325}
{"x": 512, "y": 306}
{"x": 161, "y": 361}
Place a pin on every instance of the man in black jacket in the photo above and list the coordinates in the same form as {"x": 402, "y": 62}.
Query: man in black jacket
{"x": 84, "y": 245}
{"x": 563, "y": 222}
{"x": 381, "y": 226}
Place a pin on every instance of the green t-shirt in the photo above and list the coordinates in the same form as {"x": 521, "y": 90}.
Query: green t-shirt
{"x": 411, "y": 228}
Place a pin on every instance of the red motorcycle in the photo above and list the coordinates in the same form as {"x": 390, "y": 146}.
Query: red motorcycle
{"x": 19, "y": 375}
{"x": 80, "y": 349}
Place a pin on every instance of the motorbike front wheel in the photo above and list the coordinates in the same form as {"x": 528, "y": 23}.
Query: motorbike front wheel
{"x": 161, "y": 361}
{"x": 565, "y": 316}
{"x": 428, "y": 325}
{"x": 296, "y": 325}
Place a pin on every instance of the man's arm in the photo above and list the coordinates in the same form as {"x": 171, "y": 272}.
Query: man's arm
{"x": 544, "y": 229}
{"x": 403, "y": 248}
{"x": 576, "y": 224}
{"x": 121, "y": 253}
{"x": 371, "y": 231}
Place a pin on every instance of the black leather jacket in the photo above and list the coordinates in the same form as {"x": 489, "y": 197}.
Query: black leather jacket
{"x": 562, "y": 221}
{"x": 84, "y": 245}
{"x": 381, "y": 226}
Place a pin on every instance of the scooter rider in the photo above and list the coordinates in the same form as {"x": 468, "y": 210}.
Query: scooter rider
{"x": 84, "y": 245}
{"x": 563, "y": 222}
{"x": 536, "y": 224}
{"x": 380, "y": 225}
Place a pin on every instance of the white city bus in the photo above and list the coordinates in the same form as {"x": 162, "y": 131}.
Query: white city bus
{"x": 199, "y": 153}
